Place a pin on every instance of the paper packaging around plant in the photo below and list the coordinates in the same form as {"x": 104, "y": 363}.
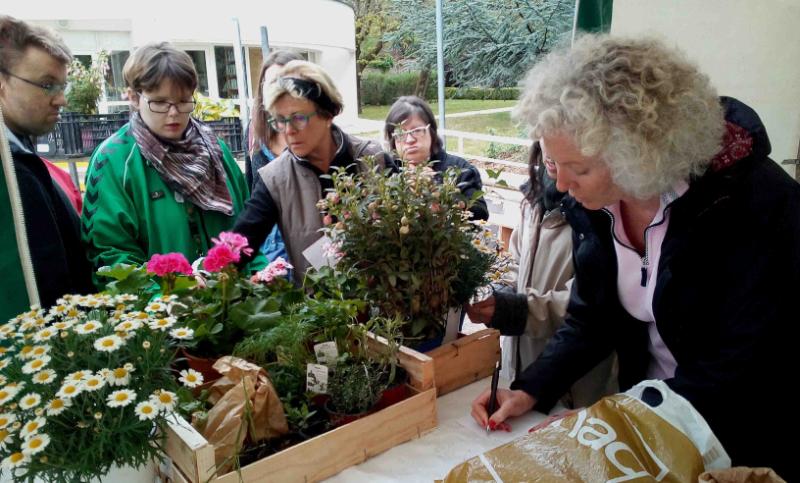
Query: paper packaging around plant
{"x": 619, "y": 438}
{"x": 453, "y": 319}
{"x": 225, "y": 419}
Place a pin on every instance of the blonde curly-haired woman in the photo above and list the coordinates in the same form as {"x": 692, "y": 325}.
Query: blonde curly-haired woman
{"x": 686, "y": 241}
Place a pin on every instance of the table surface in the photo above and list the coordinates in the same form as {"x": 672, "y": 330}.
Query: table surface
{"x": 457, "y": 438}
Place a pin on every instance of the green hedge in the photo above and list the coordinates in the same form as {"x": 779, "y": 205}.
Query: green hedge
{"x": 379, "y": 88}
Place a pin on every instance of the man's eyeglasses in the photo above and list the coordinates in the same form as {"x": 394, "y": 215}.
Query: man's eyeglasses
{"x": 163, "y": 107}
{"x": 298, "y": 121}
{"x": 51, "y": 89}
{"x": 400, "y": 135}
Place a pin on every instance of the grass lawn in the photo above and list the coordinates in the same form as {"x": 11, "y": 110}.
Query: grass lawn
{"x": 451, "y": 106}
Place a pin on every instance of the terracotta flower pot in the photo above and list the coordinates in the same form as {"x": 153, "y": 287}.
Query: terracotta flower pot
{"x": 392, "y": 395}
{"x": 340, "y": 419}
{"x": 202, "y": 365}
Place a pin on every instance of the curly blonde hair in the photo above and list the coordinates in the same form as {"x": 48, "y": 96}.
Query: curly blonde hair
{"x": 644, "y": 108}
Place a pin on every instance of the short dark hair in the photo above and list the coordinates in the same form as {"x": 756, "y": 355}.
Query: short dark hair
{"x": 405, "y": 107}
{"x": 16, "y": 36}
{"x": 533, "y": 189}
{"x": 262, "y": 133}
{"x": 152, "y": 63}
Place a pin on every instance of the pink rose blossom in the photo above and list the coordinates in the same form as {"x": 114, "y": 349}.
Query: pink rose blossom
{"x": 163, "y": 265}
{"x": 220, "y": 257}
{"x": 236, "y": 242}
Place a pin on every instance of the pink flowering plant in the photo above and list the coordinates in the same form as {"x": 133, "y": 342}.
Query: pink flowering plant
{"x": 88, "y": 384}
{"x": 227, "y": 305}
{"x": 410, "y": 238}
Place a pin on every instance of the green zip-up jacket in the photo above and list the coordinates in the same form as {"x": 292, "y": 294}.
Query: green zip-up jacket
{"x": 130, "y": 213}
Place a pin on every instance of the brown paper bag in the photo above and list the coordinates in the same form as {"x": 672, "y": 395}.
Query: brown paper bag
{"x": 226, "y": 427}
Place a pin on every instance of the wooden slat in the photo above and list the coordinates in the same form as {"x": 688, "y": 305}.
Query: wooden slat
{"x": 419, "y": 366}
{"x": 465, "y": 360}
{"x": 348, "y": 445}
{"x": 189, "y": 450}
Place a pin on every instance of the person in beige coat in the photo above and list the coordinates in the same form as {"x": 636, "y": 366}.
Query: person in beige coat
{"x": 531, "y": 307}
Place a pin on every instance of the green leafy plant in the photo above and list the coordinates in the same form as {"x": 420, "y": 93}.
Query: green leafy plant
{"x": 411, "y": 241}
{"x": 86, "y": 84}
{"x": 87, "y": 385}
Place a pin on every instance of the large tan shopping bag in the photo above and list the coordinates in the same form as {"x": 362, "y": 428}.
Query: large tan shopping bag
{"x": 620, "y": 438}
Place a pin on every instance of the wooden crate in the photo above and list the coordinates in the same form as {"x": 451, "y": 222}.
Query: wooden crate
{"x": 192, "y": 457}
{"x": 465, "y": 360}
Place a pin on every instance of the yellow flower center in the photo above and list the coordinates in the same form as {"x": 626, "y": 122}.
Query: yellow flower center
{"x": 108, "y": 343}
{"x": 70, "y": 389}
{"x": 16, "y": 457}
{"x": 43, "y": 376}
{"x": 29, "y": 401}
{"x": 191, "y": 378}
{"x": 57, "y": 404}
{"x": 26, "y": 350}
{"x": 89, "y": 326}
{"x": 165, "y": 398}
{"x": 93, "y": 382}
{"x": 3, "y": 394}
{"x": 147, "y": 409}
{"x": 120, "y": 397}
{"x": 37, "y": 363}
{"x": 35, "y": 443}
{"x": 32, "y": 426}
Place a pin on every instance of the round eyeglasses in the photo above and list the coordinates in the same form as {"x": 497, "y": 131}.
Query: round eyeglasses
{"x": 298, "y": 121}
{"x": 163, "y": 107}
{"x": 400, "y": 135}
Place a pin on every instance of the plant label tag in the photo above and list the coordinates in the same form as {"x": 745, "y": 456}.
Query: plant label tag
{"x": 317, "y": 378}
{"x": 326, "y": 353}
{"x": 453, "y": 323}
{"x": 316, "y": 253}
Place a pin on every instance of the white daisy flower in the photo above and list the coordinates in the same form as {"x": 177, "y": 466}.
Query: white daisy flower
{"x": 7, "y": 329}
{"x": 7, "y": 419}
{"x": 120, "y": 376}
{"x": 30, "y": 400}
{"x": 141, "y": 316}
{"x": 93, "y": 383}
{"x": 164, "y": 400}
{"x": 27, "y": 325}
{"x": 45, "y": 334}
{"x": 146, "y": 410}
{"x": 88, "y": 327}
{"x": 6, "y": 350}
{"x": 45, "y": 376}
{"x": 92, "y": 302}
{"x": 74, "y": 313}
{"x": 120, "y": 398}
{"x": 77, "y": 376}
{"x": 59, "y": 309}
{"x": 126, "y": 297}
{"x": 5, "y": 439}
{"x": 3, "y": 380}
{"x": 40, "y": 350}
{"x": 63, "y": 325}
{"x": 156, "y": 306}
{"x": 182, "y": 333}
{"x": 36, "y": 365}
{"x": 191, "y": 378}
{"x": 32, "y": 427}
{"x": 15, "y": 460}
{"x": 35, "y": 444}
{"x": 69, "y": 390}
{"x": 57, "y": 406}
{"x": 109, "y": 343}
{"x": 127, "y": 326}
{"x": 26, "y": 352}
{"x": 162, "y": 323}
{"x": 6, "y": 395}
{"x": 4, "y": 363}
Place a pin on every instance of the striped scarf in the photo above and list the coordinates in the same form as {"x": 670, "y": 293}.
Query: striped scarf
{"x": 191, "y": 166}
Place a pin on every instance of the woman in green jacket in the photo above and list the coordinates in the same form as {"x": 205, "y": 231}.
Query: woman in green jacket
{"x": 163, "y": 182}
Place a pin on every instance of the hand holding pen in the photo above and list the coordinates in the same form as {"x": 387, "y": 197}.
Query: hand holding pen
{"x": 493, "y": 395}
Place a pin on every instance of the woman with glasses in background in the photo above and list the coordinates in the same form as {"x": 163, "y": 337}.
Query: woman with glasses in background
{"x": 410, "y": 131}
{"x": 163, "y": 182}
{"x": 264, "y": 143}
{"x": 301, "y": 104}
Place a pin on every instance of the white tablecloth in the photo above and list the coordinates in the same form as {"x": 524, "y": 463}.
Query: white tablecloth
{"x": 456, "y": 439}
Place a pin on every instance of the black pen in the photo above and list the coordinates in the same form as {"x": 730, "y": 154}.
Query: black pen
{"x": 493, "y": 394}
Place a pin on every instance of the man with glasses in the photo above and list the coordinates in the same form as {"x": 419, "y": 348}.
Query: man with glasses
{"x": 41, "y": 253}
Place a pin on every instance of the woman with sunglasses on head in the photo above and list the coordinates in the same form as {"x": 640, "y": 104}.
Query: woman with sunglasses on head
{"x": 163, "y": 182}
{"x": 301, "y": 103}
{"x": 410, "y": 131}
